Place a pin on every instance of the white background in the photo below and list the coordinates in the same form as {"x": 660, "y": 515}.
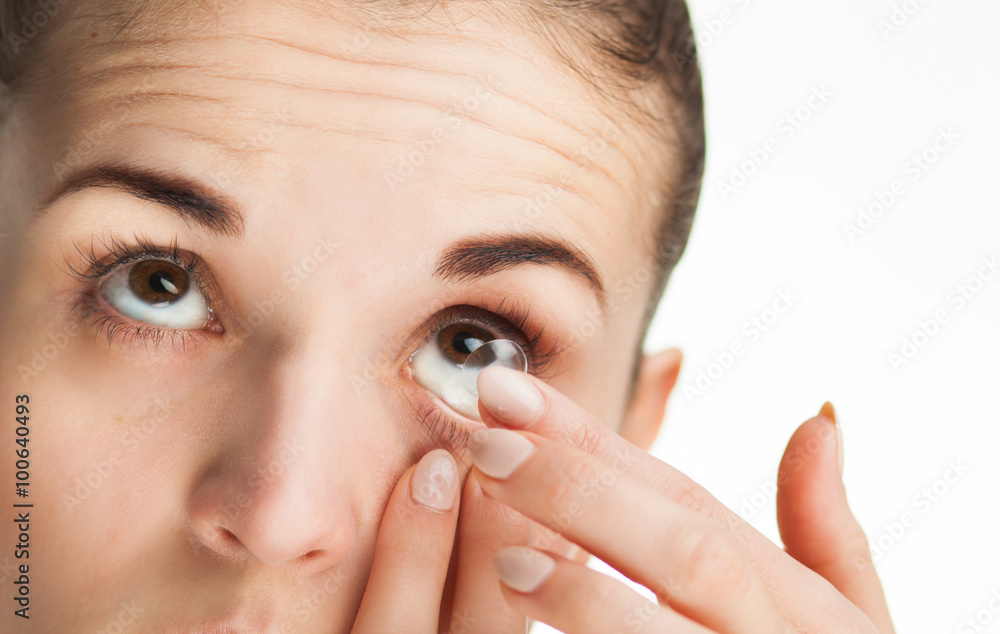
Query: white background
{"x": 855, "y": 301}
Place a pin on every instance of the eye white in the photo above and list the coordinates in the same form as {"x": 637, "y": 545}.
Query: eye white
{"x": 186, "y": 312}
{"x": 435, "y": 372}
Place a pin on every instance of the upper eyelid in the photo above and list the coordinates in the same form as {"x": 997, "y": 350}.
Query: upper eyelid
{"x": 128, "y": 251}
{"x": 124, "y": 253}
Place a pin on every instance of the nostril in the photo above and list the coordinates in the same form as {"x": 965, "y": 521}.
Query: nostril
{"x": 312, "y": 555}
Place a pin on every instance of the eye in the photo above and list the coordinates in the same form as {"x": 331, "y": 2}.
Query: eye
{"x": 157, "y": 292}
{"x": 437, "y": 364}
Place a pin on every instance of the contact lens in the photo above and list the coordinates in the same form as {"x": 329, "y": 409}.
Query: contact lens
{"x": 497, "y": 352}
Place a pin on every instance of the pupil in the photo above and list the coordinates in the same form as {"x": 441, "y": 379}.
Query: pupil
{"x": 464, "y": 343}
{"x": 156, "y": 282}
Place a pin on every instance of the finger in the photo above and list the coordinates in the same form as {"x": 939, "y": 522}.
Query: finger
{"x": 484, "y": 526}
{"x": 816, "y": 523}
{"x": 513, "y": 399}
{"x": 688, "y": 560}
{"x": 509, "y": 398}
{"x": 573, "y": 598}
{"x": 413, "y": 549}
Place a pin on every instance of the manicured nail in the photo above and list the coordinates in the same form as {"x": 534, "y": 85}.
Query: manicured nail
{"x": 828, "y": 411}
{"x": 510, "y": 396}
{"x": 498, "y": 452}
{"x": 435, "y": 480}
{"x": 523, "y": 568}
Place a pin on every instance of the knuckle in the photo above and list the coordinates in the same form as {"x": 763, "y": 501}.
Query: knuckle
{"x": 588, "y": 438}
{"x": 593, "y": 605}
{"x": 712, "y": 563}
{"x": 690, "y": 494}
{"x": 569, "y": 481}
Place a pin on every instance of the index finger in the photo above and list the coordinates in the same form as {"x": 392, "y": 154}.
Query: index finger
{"x": 508, "y": 398}
{"x": 512, "y": 399}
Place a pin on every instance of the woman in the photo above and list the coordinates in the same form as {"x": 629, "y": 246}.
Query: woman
{"x": 232, "y": 231}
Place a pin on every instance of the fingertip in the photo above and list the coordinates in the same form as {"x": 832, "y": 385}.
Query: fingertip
{"x": 434, "y": 481}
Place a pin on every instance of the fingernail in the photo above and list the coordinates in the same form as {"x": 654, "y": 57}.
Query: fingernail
{"x": 498, "y": 452}
{"x": 828, "y": 411}
{"x": 510, "y": 396}
{"x": 523, "y": 568}
{"x": 435, "y": 480}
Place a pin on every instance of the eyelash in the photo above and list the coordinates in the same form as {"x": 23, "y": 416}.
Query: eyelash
{"x": 120, "y": 253}
{"x": 511, "y": 319}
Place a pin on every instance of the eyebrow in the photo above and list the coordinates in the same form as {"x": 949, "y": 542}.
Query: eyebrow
{"x": 475, "y": 258}
{"x": 188, "y": 198}
{"x": 467, "y": 260}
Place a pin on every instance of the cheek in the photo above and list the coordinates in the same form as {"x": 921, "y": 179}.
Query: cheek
{"x": 103, "y": 480}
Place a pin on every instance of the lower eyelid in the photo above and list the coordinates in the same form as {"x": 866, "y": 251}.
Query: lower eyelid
{"x": 435, "y": 420}
{"x": 445, "y": 431}
{"x": 96, "y": 317}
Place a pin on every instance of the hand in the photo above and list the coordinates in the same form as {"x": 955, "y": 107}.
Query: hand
{"x": 414, "y": 586}
{"x": 710, "y": 570}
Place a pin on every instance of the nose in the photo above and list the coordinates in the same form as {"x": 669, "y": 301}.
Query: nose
{"x": 273, "y": 510}
{"x": 275, "y": 485}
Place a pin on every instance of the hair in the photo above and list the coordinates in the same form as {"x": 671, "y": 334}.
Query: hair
{"x": 638, "y": 44}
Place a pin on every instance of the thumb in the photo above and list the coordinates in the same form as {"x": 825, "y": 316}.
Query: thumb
{"x": 815, "y": 521}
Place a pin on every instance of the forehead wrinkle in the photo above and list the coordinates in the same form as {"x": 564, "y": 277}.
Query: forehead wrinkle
{"x": 540, "y": 184}
{"x": 140, "y": 67}
{"x": 179, "y": 70}
{"x": 588, "y": 165}
{"x": 152, "y": 97}
{"x": 194, "y": 136}
{"x": 577, "y": 158}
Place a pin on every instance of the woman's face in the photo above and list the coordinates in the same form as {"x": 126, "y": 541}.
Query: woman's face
{"x": 332, "y": 199}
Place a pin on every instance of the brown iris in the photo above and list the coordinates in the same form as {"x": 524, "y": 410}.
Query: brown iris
{"x": 158, "y": 282}
{"x": 459, "y": 340}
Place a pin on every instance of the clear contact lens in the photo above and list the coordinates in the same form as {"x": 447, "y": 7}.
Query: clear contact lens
{"x": 501, "y": 352}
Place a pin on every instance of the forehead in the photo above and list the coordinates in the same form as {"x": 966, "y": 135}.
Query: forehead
{"x": 452, "y": 118}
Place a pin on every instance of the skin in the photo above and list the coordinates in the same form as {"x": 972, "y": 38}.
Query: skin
{"x": 261, "y": 475}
